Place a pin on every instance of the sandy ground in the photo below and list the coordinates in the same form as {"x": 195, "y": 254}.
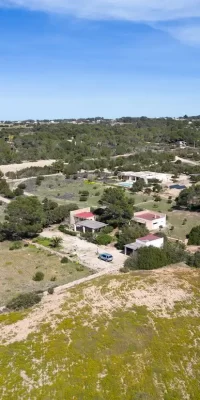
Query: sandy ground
{"x": 159, "y": 291}
{"x": 18, "y": 167}
{"x": 86, "y": 252}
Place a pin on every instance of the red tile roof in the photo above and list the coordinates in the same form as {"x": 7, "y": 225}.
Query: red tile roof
{"x": 84, "y": 215}
{"x": 149, "y": 238}
{"x": 149, "y": 216}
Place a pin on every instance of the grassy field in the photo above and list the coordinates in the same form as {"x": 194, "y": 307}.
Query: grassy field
{"x": 133, "y": 337}
{"x": 17, "y": 268}
{"x": 175, "y": 217}
{"x": 64, "y": 190}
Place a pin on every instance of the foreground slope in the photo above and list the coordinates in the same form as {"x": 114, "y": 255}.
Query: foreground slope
{"x": 133, "y": 336}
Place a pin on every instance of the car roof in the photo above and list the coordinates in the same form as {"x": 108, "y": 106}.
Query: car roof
{"x": 106, "y": 254}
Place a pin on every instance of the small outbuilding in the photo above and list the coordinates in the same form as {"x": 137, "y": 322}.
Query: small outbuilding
{"x": 89, "y": 226}
{"x": 146, "y": 241}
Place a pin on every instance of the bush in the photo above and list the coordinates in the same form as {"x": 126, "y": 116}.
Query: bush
{"x": 22, "y": 186}
{"x": 64, "y": 260}
{"x": 80, "y": 268}
{"x": 194, "y": 260}
{"x": 194, "y": 236}
{"x": 53, "y": 278}
{"x": 83, "y": 198}
{"x": 97, "y": 194}
{"x": 51, "y": 290}
{"x": 25, "y": 300}
{"x": 124, "y": 270}
{"x": 39, "y": 180}
{"x": 147, "y": 258}
{"x": 18, "y": 192}
{"x": 107, "y": 229}
{"x": 67, "y": 231}
{"x": 103, "y": 239}
{"x": 15, "y": 246}
{"x": 39, "y": 276}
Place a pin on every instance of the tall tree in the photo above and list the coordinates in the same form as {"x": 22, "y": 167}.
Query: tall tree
{"x": 24, "y": 218}
{"x": 118, "y": 208}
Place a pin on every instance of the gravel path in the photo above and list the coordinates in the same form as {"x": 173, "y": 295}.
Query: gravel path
{"x": 86, "y": 252}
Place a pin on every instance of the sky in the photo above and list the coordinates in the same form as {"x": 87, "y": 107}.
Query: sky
{"x": 109, "y": 58}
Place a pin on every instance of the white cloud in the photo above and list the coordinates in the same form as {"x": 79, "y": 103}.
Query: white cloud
{"x": 186, "y": 33}
{"x": 133, "y": 10}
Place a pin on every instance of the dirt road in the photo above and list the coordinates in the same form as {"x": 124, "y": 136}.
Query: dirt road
{"x": 17, "y": 167}
{"x": 86, "y": 252}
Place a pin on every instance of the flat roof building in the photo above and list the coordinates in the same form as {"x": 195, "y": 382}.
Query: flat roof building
{"x": 145, "y": 241}
{"x": 152, "y": 220}
{"x": 89, "y": 226}
{"x": 146, "y": 175}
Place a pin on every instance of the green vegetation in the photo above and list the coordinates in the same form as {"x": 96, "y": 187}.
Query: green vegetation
{"x": 66, "y": 191}
{"x": 129, "y": 234}
{"x": 189, "y": 198}
{"x": 149, "y": 258}
{"x": 22, "y": 301}
{"x": 39, "y": 276}
{"x": 132, "y": 352}
{"x": 103, "y": 239}
{"x": 26, "y": 217}
{"x": 119, "y": 208}
{"x": 194, "y": 236}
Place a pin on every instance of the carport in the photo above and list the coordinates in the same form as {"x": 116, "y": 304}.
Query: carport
{"x": 89, "y": 226}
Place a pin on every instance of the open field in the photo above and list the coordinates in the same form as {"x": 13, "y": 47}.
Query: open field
{"x": 66, "y": 190}
{"x": 133, "y": 337}
{"x": 175, "y": 217}
{"x": 17, "y": 268}
{"x": 17, "y": 167}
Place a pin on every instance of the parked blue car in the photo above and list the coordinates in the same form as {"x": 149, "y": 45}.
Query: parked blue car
{"x": 106, "y": 257}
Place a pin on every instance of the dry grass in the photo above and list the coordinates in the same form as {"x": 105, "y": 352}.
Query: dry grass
{"x": 18, "y": 267}
{"x": 130, "y": 337}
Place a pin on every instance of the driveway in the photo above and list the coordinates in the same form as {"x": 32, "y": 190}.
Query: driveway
{"x": 86, "y": 252}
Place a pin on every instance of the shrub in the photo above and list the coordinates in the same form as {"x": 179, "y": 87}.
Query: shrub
{"x": 53, "y": 278}
{"x": 97, "y": 194}
{"x": 51, "y": 290}
{"x": 194, "y": 236}
{"x": 15, "y": 246}
{"x": 124, "y": 270}
{"x": 39, "y": 276}
{"x": 56, "y": 242}
{"x": 18, "y": 192}
{"x": 83, "y": 198}
{"x": 80, "y": 268}
{"x": 22, "y": 186}
{"x": 67, "y": 231}
{"x": 107, "y": 229}
{"x": 39, "y": 180}
{"x": 103, "y": 239}
{"x": 25, "y": 300}
{"x": 147, "y": 258}
{"x": 64, "y": 260}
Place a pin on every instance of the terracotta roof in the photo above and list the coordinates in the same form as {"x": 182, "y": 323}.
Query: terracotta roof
{"x": 149, "y": 216}
{"x": 84, "y": 215}
{"x": 148, "y": 238}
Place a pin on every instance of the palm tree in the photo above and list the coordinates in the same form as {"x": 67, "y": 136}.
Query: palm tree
{"x": 56, "y": 241}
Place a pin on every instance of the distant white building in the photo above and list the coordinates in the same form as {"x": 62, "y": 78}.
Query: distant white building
{"x": 146, "y": 175}
{"x": 146, "y": 241}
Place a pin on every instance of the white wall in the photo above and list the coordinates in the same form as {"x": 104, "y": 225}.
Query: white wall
{"x": 155, "y": 243}
{"x": 156, "y": 223}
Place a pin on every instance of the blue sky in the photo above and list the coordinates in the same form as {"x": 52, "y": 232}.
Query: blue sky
{"x": 60, "y": 59}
